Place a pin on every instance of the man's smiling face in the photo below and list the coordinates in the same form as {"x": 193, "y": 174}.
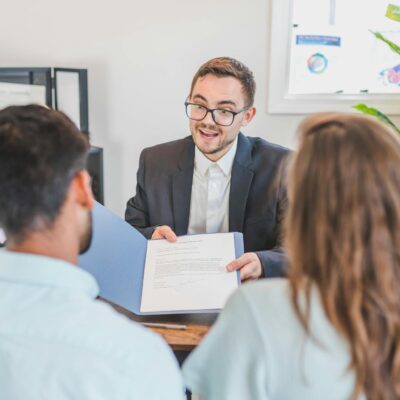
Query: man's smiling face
{"x": 213, "y": 140}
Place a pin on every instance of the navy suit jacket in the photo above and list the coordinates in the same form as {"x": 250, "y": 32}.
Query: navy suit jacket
{"x": 257, "y": 197}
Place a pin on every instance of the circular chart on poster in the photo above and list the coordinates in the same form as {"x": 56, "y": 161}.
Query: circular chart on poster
{"x": 317, "y": 63}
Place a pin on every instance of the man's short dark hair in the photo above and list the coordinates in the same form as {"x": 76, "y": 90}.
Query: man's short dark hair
{"x": 226, "y": 66}
{"x": 41, "y": 150}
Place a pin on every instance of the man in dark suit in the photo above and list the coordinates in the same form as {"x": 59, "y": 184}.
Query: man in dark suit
{"x": 216, "y": 180}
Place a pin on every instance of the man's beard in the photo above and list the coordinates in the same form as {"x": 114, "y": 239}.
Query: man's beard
{"x": 214, "y": 127}
{"x": 86, "y": 238}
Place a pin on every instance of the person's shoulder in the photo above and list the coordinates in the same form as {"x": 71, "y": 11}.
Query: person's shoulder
{"x": 265, "y": 156}
{"x": 171, "y": 147}
{"x": 128, "y": 332}
{"x": 102, "y": 330}
{"x": 266, "y": 290}
{"x": 166, "y": 157}
{"x": 125, "y": 351}
{"x": 261, "y": 145}
{"x": 264, "y": 145}
{"x": 265, "y": 294}
{"x": 270, "y": 303}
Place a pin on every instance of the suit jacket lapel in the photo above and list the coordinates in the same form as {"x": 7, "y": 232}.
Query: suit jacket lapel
{"x": 241, "y": 178}
{"x": 182, "y": 189}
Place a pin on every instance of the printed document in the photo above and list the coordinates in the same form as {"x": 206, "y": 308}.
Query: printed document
{"x": 189, "y": 274}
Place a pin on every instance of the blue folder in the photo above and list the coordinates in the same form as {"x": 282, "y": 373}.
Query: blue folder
{"x": 116, "y": 259}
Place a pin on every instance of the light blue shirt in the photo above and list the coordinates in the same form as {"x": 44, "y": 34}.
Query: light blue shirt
{"x": 258, "y": 350}
{"x": 58, "y": 343}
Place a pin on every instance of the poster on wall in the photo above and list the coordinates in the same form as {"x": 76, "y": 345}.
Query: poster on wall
{"x": 315, "y": 61}
{"x": 338, "y": 52}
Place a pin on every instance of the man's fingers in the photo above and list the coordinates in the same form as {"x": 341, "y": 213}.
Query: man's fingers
{"x": 164, "y": 232}
{"x": 239, "y": 262}
{"x": 249, "y": 265}
{"x": 169, "y": 234}
{"x": 249, "y": 272}
{"x": 233, "y": 266}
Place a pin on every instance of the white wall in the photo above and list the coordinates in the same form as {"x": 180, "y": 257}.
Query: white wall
{"x": 141, "y": 56}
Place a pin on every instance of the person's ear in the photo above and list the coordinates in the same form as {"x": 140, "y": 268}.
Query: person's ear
{"x": 83, "y": 190}
{"x": 248, "y": 116}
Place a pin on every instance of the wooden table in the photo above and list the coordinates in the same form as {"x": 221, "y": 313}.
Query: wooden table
{"x": 180, "y": 340}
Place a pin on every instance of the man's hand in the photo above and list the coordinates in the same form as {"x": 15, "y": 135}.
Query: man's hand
{"x": 164, "y": 232}
{"x": 249, "y": 265}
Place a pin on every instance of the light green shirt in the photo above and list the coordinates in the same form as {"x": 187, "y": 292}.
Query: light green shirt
{"x": 258, "y": 350}
{"x": 58, "y": 343}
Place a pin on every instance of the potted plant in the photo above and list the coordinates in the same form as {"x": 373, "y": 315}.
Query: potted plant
{"x": 373, "y": 111}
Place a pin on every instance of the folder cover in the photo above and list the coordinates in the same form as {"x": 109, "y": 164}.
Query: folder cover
{"x": 116, "y": 259}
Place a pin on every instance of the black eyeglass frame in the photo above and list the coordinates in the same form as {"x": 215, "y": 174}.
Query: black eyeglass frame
{"x": 211, "y": 110}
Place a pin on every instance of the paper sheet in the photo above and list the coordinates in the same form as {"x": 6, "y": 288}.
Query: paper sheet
{"x": 68, "y": 95}
{"x": 189, "y": 274}
{"x": 16, "y": 94}
{"x": 2, "y": 236}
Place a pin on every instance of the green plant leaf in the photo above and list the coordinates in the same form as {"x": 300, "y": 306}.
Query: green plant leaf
{"x": 392, "y": 45}
{"x": 377, "y": 114}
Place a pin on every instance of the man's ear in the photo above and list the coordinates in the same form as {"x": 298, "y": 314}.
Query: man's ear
{"x": 82, "y": 189}
{"x": 248, "y": 116}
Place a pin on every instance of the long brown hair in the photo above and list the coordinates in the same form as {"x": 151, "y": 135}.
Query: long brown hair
{"x": 342, "y": 235}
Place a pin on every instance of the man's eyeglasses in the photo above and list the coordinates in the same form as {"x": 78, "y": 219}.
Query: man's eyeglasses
{"x": 220, "y": 116}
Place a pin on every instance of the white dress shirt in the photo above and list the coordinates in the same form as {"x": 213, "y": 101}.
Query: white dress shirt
{"x": 58, "y": 343}
{"x": 209, "y": 203}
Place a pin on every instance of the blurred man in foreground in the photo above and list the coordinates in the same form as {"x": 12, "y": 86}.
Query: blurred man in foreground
{"x": 57, "y": 342}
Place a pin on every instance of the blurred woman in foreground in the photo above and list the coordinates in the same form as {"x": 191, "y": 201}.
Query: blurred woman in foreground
{"x": 332, "y": 331}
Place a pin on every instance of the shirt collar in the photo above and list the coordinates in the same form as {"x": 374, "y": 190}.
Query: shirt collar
{"x": 31, "y": 269}
{"x": 202, "y": 163}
